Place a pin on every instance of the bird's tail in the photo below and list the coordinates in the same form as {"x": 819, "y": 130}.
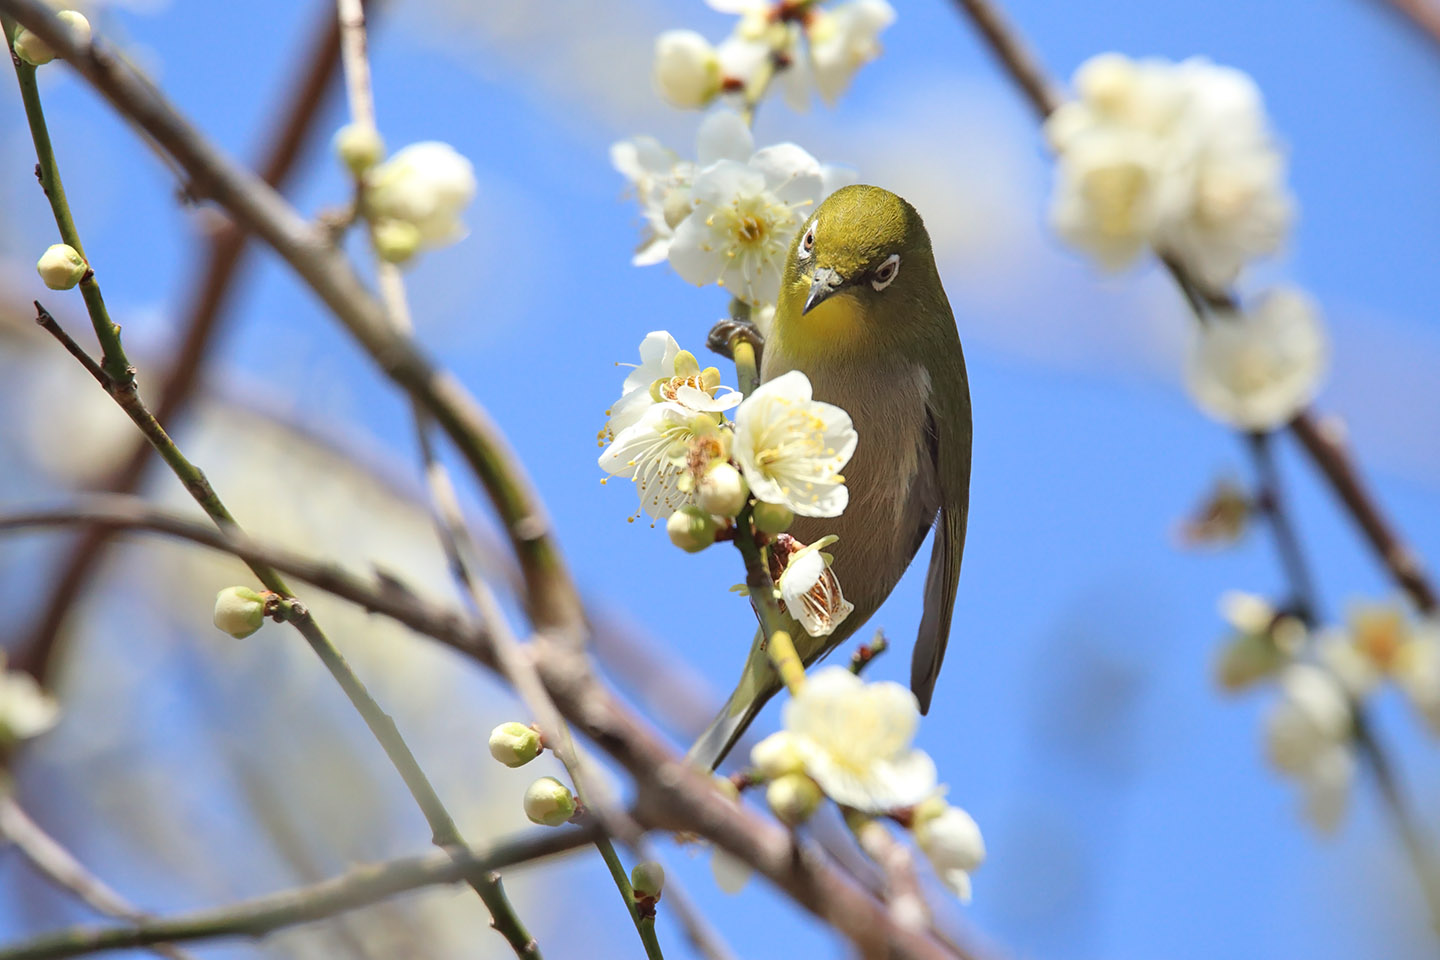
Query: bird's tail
{"x": 757, "y": 685}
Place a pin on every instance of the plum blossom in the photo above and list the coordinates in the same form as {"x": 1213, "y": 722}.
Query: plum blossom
{"x": 855, "y": 741}
{"x": 1262, "y": 642}
{"x": 950, "y": 838}
{"x": 808, "y": 587}
{"x": 1176, "y": 157}
{"x": 665, "y": 453}
{"x": 424, "y": 187}
{"x": 792, "y": 448}
{"x": 687, "y": 69}
{"x": 669, "y": 374}
{"x": 1308, "y": 737}
{"x": 1258, "y": 368}
{"x": 26, "y": 710}
{"x": 661, "y": 181}
{"x": 1379, "y": 643}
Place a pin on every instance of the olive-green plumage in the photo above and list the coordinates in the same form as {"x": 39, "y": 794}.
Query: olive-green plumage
{"x": 863, "y": 314}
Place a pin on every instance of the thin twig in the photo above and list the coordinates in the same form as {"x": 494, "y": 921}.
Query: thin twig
{"x": 60, "y": 867}
{"x": 670, "y": 794}
{"x": 303, "y": 98}
{"x": 1424, "y": 14}
{"x": 357, "y": 887}
{"x": 1270, "y": 498}
{"x": 1014, "y": 54}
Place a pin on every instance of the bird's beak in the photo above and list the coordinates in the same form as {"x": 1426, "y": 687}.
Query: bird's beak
{"x": 824, "y": 283}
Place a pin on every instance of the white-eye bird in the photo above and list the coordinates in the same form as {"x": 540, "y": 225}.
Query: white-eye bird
{"x": 863, "y": 315}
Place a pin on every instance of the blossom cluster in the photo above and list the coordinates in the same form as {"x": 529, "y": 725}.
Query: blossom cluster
{"x": 669, "y": 434}
{"x": 807, "y": 46}
{"x": 852, "y": 741}
{"x": 1178, "y": 159}
{"x": 728, "y": 217}
{"x": 1323, "y": 679}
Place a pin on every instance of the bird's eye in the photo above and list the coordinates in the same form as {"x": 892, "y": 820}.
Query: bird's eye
{"x": 807, "y": 244}
{"x": 886, "y": 273}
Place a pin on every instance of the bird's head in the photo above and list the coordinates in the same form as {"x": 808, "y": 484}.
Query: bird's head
{"x": 860, "y": 273}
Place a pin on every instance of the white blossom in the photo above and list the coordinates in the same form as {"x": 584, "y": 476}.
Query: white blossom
{"x": 687, "y": 69}
{"x": 747, "y": 208}
{"x": 1308, "y": 737}
{"x": 808, "y": 587}
{"x": 665, "y": 453}
{"x": 842, "y": 40}
{"x": 1174, "y": 156}
{"x": 792, "y": 448}
{"x": 950, "y": 838}
{"x": 1263, "y": 640}
{"x": 661, "y": 181}
{"x": 1257, "y": 369}
{"x": 1379, "y": 643}
{"x": 856, "y": 737}
{"x": 667, "y": 373}
{"x": 426, "y": 185}
{"x": 777, "y": 755}
{"x": 61, "y": 266}
{"x": 26, "y": 710}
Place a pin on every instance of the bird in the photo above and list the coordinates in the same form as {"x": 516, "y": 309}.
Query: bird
{"x": 862, "y": 313}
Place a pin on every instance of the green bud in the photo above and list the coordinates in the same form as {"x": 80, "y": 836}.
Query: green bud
{"x": 359, "y": 146}
{"x": 691, "y": 529}
{"x": 239, "y": 611}
{"x": 647, "y": 879}
{"x": 32, "y": 49}
{"x": 549, "y": 802}
{"x": 61, "y": 266}
{"x": 772, "y": 518}
{"x": 514, "y": 744}
{"x": 794, "y": 798}
{"x": 395, "y": 240}
{"x": 723, "y": 491}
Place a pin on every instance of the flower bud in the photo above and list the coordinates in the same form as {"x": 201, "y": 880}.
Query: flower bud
{"x": 794, "y": 798}
{"x": 723, "y": 491}
{"x": 772, "y": 518}
{"x": 777, "y": 755}
{"x": 359, "y": 146}
{"x": 687, "y": 70}
{"x": 514, "y": 744}
{"x": 549, "y": 802}
{"x": 395, "y": 240}
{"x": 691, "y": 529}
{"x": 61, "y": 267}
{"x": 647, "y": 879}
{"x": 239, "y": 611}
{"x": 37, "y": 52}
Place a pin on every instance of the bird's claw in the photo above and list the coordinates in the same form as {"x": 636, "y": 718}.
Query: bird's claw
{"x": 724, "y": 334}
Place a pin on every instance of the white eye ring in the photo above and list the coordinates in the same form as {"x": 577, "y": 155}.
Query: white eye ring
{"x": 807, "y": 243}
{"x": 886, "y": 273}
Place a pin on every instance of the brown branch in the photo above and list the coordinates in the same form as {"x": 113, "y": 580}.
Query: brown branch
{"x": 209, "y": 300}
{"x": 1014, "y": 54}
{"x": 58, "y": 865}
{"x": 358, "y": 887}
{"x": 670, "y": 794}
{"x": 1424, "y": 14}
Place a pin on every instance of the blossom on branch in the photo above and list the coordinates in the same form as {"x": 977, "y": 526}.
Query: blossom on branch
{"x": 665, "y": 454}
{"x": 855, "y": 739}
{"x": 1308, "y": 736}
{"x": 1258, "y": 368}
{"x": 422, "y": 188}
{"x": 792, "y": 448}
{"x": 666, "y": 374}
{"x": 808, "y": 587}
{"x": 26, "y": 710}
{"x": 1380, "y": 643}
{"x": 1176, "y": 157}
{"x": 951, "y": 840}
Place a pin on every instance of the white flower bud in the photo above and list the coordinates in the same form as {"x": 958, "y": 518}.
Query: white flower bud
{"x": 723, "y": 491}
{"x": 794, "y": 798}
{"x": 26, "y": 710}
{"x": 395, "y": 240}
{"x": 549, "y": 802}
{"x": 691, "y": 529}
{"x": 772, "y": 518}
{"x": 777, "y": 755}
{"x": 647, "y": 879}
{"x": 514, "y": 744}
{"x": 951, "y": 839}
{"x": 359, "y": 146}
{"x": 61, "y": 267}
{"x": 687, "y": 69}
{"x": 37, "y": 52}
{"x": 427, "y": 185}
{"x": 239, "y": 611}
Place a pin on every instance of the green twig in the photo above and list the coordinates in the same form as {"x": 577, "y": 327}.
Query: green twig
{"x": 47, "y": 172}
{"x": 644, "y": 925}
{"x": 358, "y": 887}
{"x": 867, "y": 652}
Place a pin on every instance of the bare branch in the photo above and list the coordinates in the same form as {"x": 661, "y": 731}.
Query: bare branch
{"x": 358, "y": 887}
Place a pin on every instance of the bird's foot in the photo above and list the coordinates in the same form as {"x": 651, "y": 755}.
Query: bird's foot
{"x": 725, "y": 333}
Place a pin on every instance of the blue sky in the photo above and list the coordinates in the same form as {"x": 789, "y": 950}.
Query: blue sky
{"x": 1126, "y": 804}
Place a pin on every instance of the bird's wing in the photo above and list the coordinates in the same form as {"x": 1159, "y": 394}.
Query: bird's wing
{"x": 948, "y": 432}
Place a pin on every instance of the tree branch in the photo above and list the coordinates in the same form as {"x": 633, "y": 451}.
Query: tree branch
{"x": 206, "y": 314}
{"x": 670, "y": 795}
{"x": 358, "y": 887}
